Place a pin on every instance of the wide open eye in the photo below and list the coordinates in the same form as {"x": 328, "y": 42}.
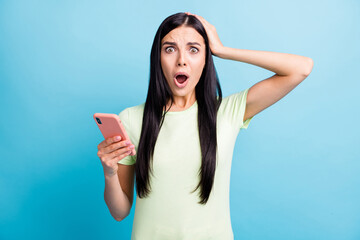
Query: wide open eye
{"x": 166, "y": 49}
{"x": 196, "y": 50}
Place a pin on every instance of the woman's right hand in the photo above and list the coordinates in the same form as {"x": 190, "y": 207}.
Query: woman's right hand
{"x": 112, "y": 150}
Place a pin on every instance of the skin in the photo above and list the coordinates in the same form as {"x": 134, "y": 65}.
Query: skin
{"x": 183, "y": 58}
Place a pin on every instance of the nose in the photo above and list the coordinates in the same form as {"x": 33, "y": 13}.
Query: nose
{"x": 181, "y": 59}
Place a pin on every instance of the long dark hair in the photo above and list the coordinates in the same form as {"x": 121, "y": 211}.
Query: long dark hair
{"x": 159, "y": 93}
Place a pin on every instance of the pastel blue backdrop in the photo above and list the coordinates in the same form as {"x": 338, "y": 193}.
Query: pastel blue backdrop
{"x": 295, "y": 172}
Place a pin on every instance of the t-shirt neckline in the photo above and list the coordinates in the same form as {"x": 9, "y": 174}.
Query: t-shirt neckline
{"x": 184, "y": 111}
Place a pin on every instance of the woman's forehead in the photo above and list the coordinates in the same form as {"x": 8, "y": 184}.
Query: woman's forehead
{"x": 183, "y": 35}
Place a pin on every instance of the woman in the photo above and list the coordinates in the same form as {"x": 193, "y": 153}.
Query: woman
{"x": 185, "y": 133}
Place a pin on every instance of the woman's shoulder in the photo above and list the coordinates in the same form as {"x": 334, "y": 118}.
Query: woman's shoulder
{"x": 132, "y": 112}
{"x": 132, "y": 109}
{"x": 232, "y": 109}
{"x": 233, "y": 98}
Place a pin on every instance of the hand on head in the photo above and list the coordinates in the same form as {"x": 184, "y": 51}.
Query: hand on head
{"x": 214, "y": 41}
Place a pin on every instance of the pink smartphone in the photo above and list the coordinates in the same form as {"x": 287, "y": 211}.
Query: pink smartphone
{"x": 110, "y": 126}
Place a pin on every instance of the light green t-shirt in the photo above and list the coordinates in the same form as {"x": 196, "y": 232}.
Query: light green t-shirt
{"x": 171, "y": 211}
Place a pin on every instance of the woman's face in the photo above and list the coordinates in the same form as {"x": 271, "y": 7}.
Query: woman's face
{"x": 183, "y": 51}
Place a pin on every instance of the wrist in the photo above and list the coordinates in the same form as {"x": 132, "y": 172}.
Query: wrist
{"x": 220, "y": 52}
{"x": 109, "y": 176}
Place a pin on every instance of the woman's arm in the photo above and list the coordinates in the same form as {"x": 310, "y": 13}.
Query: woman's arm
{"x": 290, "y": 71}
{"x": 116, "y": 200}
{"x": 280, "y": 63}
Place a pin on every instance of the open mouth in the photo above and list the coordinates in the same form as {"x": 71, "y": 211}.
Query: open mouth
{"x": 181, "y": 79}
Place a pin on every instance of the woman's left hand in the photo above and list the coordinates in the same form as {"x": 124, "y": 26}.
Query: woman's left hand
{"x": 214, "y": 40}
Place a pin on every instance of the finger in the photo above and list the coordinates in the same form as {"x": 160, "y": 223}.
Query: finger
{"x": 192, "y": 14}
{"x": 110, "y": 156}
{"x": 204, "y": 22}
{"x": 134, "y": 153}
{"x": 115, "y": 146}
{"x": 109, "y": 141}
{"x": 120, "y": 157}
{"x": 201, "y": 19}
{"x": 119, "y": 153}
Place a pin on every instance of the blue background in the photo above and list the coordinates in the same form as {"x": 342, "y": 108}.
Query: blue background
{"x": 295, "y": 172}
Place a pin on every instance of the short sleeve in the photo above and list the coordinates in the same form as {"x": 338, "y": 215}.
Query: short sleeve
{"x": 124, "y": 117}
{"x": 234, "y": 109}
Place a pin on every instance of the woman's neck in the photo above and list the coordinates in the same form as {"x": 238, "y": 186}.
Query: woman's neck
{"x": 181, "y": 103}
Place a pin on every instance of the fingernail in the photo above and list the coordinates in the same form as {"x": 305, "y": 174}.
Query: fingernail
{"x": 117, "y": 138}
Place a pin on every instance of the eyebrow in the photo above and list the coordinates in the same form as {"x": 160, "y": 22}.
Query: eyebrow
{"x": 174, "y": 44}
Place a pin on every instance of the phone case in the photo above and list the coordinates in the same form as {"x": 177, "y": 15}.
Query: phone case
{"x": 110, "y": 125}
